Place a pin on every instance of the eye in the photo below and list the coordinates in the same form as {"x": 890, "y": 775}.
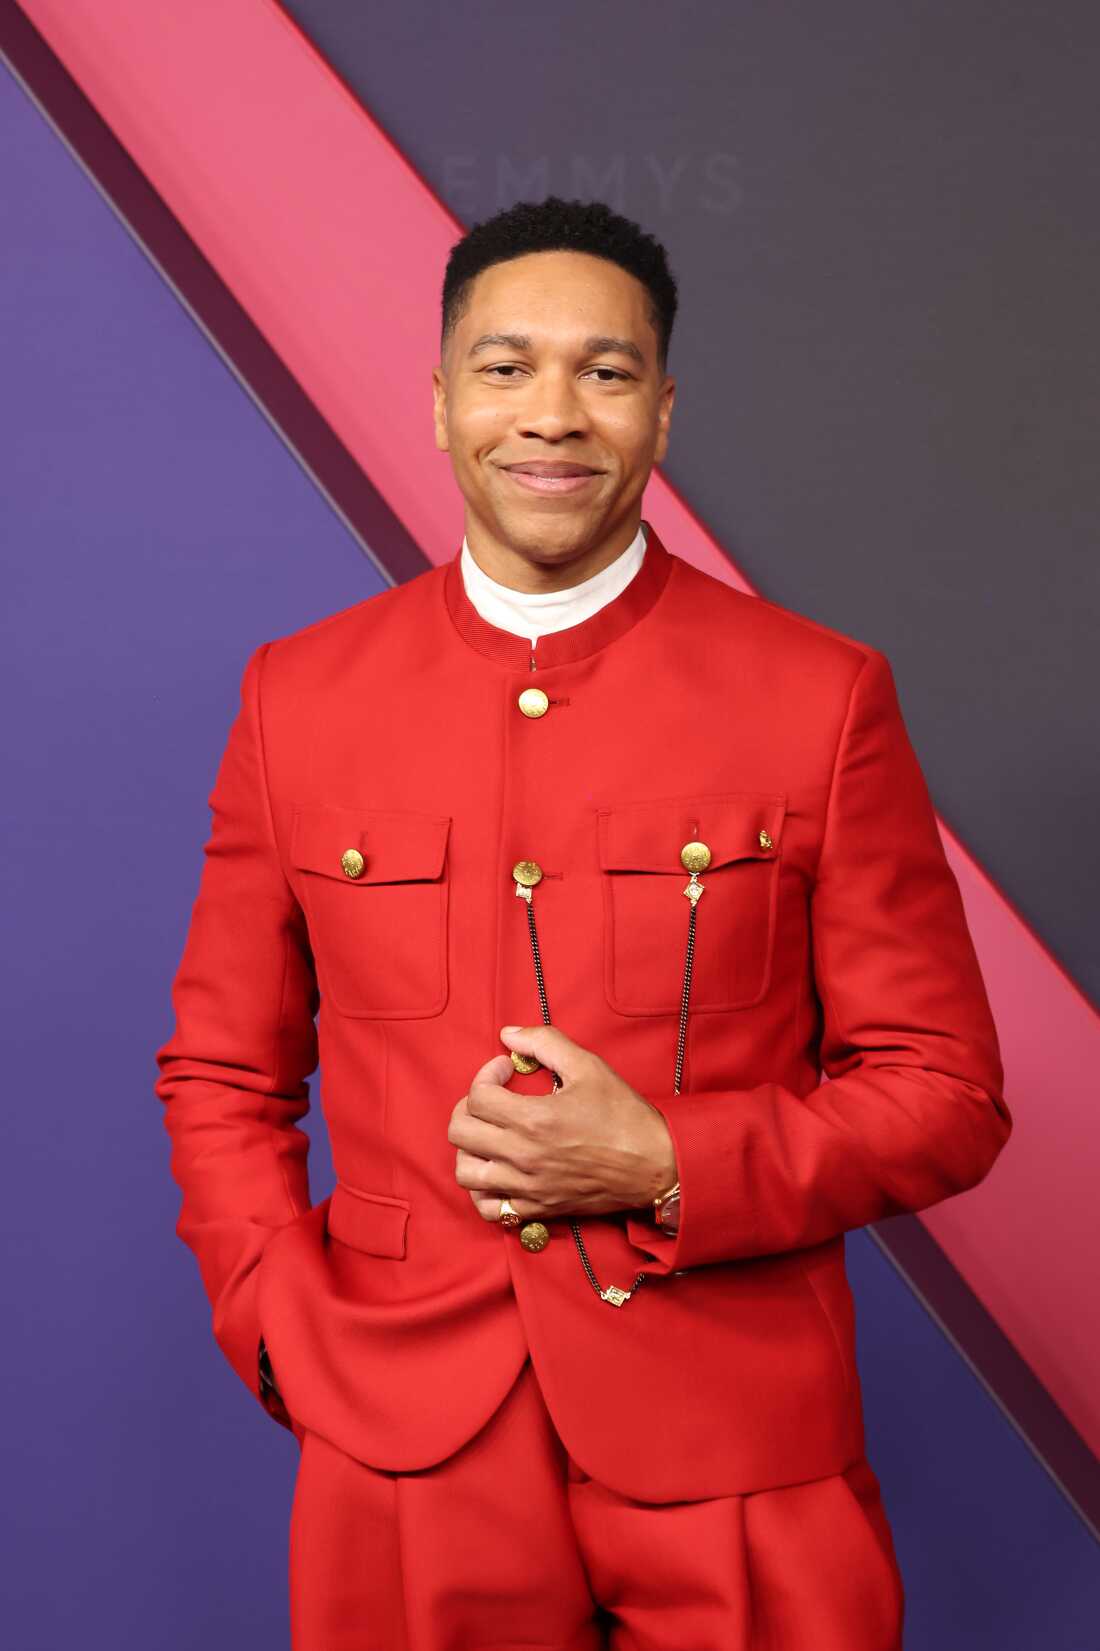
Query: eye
{"x": 511, "y": 368}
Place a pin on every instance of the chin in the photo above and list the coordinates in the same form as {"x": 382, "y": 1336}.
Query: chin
{"x": 557, "y": 525}
{"x": 534, "y": 530}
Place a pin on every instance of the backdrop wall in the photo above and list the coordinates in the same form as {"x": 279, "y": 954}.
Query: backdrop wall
{"x": 155, "y": 530}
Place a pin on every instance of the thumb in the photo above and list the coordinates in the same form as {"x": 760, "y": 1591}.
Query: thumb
{"x": 549, "y": 1045}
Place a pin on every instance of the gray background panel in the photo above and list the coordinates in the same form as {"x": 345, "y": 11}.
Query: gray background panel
{"x": 883, "y": 219}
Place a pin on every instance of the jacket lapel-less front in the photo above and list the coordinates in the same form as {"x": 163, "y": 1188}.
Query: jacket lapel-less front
{"x": 575, "y": 642}
{"x": 380, "y": 784}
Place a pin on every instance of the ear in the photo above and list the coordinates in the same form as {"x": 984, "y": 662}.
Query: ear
{"x": 439, "y": 409}
{"x": 666, "y": 396}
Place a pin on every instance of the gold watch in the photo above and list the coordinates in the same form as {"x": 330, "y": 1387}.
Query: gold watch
{"x": 666, "y": 1208}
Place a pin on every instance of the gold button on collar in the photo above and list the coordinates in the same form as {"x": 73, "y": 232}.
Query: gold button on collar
{"x": 352, "y": 862}
{"x": 527, "y": 872}
{"x": 695, "y": 856}
{"x": 533, "y": 702}
{"x": 534, "y": 1235}
{"x": 765, "y": 838}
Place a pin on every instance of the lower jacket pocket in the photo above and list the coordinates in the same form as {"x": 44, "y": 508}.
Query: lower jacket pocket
{"x": 369, "y": 1221}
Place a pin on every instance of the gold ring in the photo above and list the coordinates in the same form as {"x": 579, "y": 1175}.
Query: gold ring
{"x": 508, "y": 1216}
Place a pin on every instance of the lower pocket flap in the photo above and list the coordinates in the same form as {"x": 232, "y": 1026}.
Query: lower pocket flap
{"x": 368, "y": 1221}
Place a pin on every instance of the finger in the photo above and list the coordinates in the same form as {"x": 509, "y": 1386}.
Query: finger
{"x": 496, "y": 1071}
{"x": 484, "y": 1137}
{"x": 551, "y": 1046}
{"x": 488, "y": 1097}
{"x": 488, "y": 1174}
{"x": 494, "y": 1105}
{"x": 487, "y": 1205}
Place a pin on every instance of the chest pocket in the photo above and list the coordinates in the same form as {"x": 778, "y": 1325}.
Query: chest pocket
{"x": 646, "y": 912}
{"x": 375, "y": 892}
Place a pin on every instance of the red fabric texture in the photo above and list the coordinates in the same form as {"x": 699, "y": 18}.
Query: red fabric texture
{"x": 509, "y": 1545}
{"x": 396, "y": 1318}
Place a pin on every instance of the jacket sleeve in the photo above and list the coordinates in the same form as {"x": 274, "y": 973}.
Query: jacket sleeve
{"x": 233, "y": 1073}
{"x": 912, "y": 1111}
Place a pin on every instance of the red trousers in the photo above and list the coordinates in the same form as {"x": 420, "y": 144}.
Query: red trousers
{"x": 508, "y": 1545}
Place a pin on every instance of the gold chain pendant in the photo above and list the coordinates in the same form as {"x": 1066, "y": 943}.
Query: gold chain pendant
{"x": 527, "y": 874}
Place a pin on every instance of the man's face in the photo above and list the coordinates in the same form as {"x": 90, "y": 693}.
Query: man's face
{"x": 541, "y": 371}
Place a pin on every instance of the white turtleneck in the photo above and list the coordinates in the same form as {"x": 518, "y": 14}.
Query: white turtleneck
{"x": 536, "y": 613}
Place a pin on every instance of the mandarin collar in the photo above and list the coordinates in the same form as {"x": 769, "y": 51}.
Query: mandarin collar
{"x": 575, "y": 642}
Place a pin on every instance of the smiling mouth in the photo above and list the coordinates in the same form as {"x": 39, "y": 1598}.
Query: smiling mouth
{"x": 553, "y": 479}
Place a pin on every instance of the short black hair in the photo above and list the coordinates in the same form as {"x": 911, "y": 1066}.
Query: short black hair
{"x": 557, "y": 225}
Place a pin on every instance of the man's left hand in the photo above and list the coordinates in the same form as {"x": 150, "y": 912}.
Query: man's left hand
{"x": 592, "y": 1146}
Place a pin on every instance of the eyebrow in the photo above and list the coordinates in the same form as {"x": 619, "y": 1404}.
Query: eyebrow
{"x": 598, "y": 344}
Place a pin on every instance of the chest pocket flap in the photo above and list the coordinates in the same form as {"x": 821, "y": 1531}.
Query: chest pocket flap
{"x": 375, "y": 889}
{"x": 646, "y": 913}
{"x": 396, "y": 845}
{"x": 648, "y": 836}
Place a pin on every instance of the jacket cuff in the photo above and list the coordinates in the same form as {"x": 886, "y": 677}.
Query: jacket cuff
{"x": 700, "y": 1128}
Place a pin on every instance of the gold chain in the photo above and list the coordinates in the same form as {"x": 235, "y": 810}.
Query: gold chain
{"x": 694, "y": 856}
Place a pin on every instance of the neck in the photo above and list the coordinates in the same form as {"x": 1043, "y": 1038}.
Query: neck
{"x": 535, "y": 614}
{"x": 531, "y": 573}
{"x": 498, "y": 626}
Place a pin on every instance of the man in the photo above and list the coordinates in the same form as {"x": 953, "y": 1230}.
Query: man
{"x": 591, "y": 865}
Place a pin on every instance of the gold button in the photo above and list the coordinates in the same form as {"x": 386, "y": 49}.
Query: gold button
{"x": 525, "y": 1063}
{"x": 527, "y": 872}
{"x": 352, "y": 862}
{"x": 533, "y": 1235}
{"x": 695, "y": 856}
{"x": 533, "y": 702}
{"x": 765, "y": 839}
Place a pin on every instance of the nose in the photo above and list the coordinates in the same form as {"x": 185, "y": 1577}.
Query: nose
{"x": 553, "y": 410}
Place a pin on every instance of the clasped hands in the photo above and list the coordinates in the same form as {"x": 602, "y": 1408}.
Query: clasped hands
{"x": 592, "y": 1146}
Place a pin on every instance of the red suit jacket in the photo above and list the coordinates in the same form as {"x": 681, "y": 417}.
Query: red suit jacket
{"x": 831, "y": 938}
